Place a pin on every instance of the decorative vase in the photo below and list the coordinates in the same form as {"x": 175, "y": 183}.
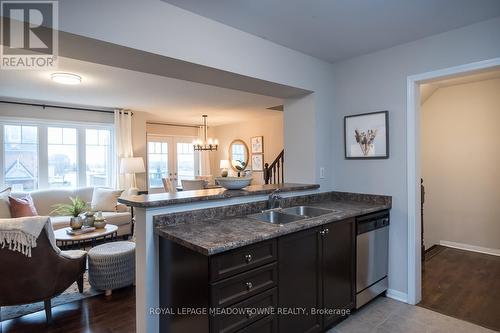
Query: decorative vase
{"x": 89, "y": 219}
{"x": 99, "y": 221}
{"x": 76, "y": 222}
{"x": 224, "y": 173}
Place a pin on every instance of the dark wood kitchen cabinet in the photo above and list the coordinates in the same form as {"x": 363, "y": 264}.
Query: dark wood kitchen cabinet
{"x": 300, "y": 285}
{"x": 293, "y": 274}
{"x": 339, "y": 264}
{"x": 316, "y": 271}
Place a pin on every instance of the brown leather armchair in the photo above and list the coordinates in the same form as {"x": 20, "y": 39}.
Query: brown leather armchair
{"x": 40, "y": 277}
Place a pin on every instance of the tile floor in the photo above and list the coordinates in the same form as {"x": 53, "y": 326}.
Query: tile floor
{"x": 385, "y": 315}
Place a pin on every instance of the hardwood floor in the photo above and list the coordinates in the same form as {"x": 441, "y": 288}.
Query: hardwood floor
{"x": 463, "y": 284}
{"x": 98, "y": 314}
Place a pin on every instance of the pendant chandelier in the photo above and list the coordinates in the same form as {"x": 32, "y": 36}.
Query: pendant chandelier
{"x": 205, "y": 143}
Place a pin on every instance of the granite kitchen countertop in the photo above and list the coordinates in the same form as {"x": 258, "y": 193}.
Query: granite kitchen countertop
{"x": 212, "y": 236}
{"x": 165, "y": 199}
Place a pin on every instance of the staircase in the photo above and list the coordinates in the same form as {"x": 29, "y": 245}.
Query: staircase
{"x": 274, "y": 173}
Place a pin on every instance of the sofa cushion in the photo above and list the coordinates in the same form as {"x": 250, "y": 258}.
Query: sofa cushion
{"x": 46, "y": 200}
{"x": 59, "y": 222}
{"x": 105, "y": 199}
{"x": 22, "y": 207}
{"x": 117, "y": 218}
{"x": 4, "y": 204}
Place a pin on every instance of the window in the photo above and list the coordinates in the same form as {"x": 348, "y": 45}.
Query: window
{"x": 41, "y": 155}
{"x": 21, "y": 157}
{"x": 63, "y": 161}
{"x": 98, "y": 157}
{"x": 157, "y": 162}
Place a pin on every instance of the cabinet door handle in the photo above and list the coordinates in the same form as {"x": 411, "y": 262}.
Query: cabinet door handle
{"x": 248, "y": 258}
{"x": 249, "y": 285}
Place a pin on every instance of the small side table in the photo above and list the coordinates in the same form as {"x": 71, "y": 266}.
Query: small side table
{"x": 66, "y": 240}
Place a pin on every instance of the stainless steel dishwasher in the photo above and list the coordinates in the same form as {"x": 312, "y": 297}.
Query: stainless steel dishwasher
{"x": 372, "y": 252}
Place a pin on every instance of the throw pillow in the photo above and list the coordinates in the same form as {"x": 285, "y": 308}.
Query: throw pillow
{"x": 4, "y": 204}
{"x": 105, "y": 199}
{"x": 22, "y": 207}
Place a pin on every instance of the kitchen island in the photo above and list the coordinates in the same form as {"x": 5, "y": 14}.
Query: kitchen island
{"x": 152, "y": 209}
{"x": 221, "y": 267}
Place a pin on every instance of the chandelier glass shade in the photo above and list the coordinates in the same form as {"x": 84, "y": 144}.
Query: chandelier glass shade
{"x": 205, "y": 143}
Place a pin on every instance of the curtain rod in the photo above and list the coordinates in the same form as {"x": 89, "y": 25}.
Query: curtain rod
{"x": 61, "y": 107}
{"x": 169, "y": 124}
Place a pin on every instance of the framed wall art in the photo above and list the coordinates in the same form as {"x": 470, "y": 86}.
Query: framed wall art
{"x": 257, "y": 162}
{"x": 257, "y": 143}
{"x": 366, "y": 136}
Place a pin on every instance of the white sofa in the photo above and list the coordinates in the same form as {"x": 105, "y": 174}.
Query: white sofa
{"x": 45, "y": 200}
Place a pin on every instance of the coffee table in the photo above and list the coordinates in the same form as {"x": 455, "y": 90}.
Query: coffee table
{"x": 66, "y": 240}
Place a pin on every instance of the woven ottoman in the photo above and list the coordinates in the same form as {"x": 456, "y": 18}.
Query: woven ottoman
{"x": 112, "y": 266}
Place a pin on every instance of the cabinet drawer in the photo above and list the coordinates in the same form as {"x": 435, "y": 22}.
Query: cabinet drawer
{"x": 241, "y": 286}
{"x": 230, "y": 263}
{"x": 268, "y": 324}
{"x": 238, "y": 316}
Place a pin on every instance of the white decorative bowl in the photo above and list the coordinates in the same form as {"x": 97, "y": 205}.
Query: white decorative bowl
{"x": 234, "y": 183}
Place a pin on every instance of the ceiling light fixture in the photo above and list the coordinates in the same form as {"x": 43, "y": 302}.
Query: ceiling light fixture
{"x": 205, "y": 143}
{"x": 66, "y": 78}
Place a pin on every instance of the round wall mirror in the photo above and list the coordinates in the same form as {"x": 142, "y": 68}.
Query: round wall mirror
{"x": 238, "y": 155}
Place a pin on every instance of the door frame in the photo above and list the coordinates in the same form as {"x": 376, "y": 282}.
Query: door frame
{"x": 172, "y": 141}
{"x": 413, "y": 164}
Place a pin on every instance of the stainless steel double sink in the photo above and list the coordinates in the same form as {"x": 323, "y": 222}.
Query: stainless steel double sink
{"x": 291, "y": 214}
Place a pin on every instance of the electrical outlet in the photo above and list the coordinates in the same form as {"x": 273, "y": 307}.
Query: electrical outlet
{"x": 322, "y": 172}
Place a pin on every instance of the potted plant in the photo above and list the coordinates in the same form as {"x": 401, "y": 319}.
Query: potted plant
{"x": 74, "y": 209}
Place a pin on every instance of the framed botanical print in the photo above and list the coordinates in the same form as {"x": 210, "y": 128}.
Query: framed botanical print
{"x": 366, "y": 136}
{"x": 257, "y": 162}
{"x": 257, "y": 143}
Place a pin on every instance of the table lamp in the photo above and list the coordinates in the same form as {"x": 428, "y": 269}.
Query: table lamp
{"x": 132, "y": 165}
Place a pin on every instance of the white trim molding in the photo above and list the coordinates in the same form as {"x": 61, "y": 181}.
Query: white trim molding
{"x": 473, "y": 248}
{"x": 397, "y": 295}
{"x": 413, "y": 163}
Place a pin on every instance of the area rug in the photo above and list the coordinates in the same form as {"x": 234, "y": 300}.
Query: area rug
{"x": 70, "y": 295}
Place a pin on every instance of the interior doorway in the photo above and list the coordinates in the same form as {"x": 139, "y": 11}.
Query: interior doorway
{"x": 460, "y": 211}
{"x": 413, "y": 165}
{"x": 171, "y": 157}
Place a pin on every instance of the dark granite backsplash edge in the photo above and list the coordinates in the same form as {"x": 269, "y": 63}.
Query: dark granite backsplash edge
{"x": 244, "y": 209}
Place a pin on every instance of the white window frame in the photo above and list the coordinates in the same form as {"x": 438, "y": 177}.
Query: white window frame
{"x": 43, "y": 124}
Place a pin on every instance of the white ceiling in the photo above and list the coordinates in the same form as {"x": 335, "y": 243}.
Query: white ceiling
{"x": 339, "y": 29}
{"x": 428, "y": 89}
{"x": 166, "y": 99}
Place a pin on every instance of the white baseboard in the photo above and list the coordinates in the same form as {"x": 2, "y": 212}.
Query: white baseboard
{"x": 397, "y": 295}
{"x": 473, "y": 248}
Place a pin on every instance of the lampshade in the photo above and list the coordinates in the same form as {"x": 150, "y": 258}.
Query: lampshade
{"x": 132, "y": 165}
{"x": 224, "y": 164}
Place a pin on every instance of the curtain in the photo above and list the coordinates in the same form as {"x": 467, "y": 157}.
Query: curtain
{"x": 123, "y": 147}
{"x": 204, "y": 157}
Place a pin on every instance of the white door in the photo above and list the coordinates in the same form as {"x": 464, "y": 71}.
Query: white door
{"x": 170, "y": 157}
{"x": 186, "y": 160}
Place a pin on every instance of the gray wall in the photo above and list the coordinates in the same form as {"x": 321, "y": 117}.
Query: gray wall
{"x": 378, "y": 82}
